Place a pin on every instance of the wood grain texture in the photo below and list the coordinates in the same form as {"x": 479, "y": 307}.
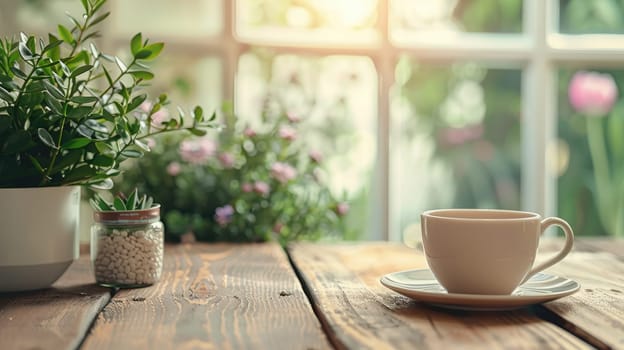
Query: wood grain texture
{"x": 609, "y": 245}
{"x": 213, "y": 296}
{"x": 359, "y": 313}
{"x": 54, "y": 318}
{"x": 596, "y": 312}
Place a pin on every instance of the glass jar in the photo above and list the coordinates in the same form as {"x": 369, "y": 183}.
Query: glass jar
{"x": 127, "y": 247}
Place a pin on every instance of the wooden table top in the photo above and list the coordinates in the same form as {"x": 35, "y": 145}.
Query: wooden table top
{"x": 309, "y": 296}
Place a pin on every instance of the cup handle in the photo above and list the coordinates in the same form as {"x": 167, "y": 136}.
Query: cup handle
{"x": 569, "y": 236}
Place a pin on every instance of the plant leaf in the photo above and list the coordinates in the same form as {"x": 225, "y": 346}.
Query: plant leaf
{"x": 25, "y": 52}
{"x": 79, "y": 112}
{"x": 154, "y": 50}
{"x": 136, "y": 102}
{"x": 5, "y": 95}
{"x": 53, "y": 90}
{"x": 142, "y": 145}
{"x": 84, "y": 99}
{"x": 143, "y": 75}
{"x": 36, "y": 164}
{"x": 81, "y": 173}
{"x": 53, "y": 44}
{"x": 46, "y": 138}
{"x": 54, "y": 52}
{"x": 143, "y": 54}
{"x": 122, "y": 66}
{"x": 85, "y": 131}
{"x": 76, "y": 143}
{"x": 65, "y": 34}
{"x": 118, "y": 204}
{"x": 18, "y": 72}
{"x": 102, "y": 160}
{"x": 136, "y": 43}
{"x": 68, "y": 159}
{"x": 81, "y": 70}
{"x": 130, "y": 153}
{"x": 99, "y": 19}
{"x": 105, "y": 184}
{"x": 148, "y": 203}
{"x": 198, "y": 114}
{"x": 197, "y": 132}
{"x": 96, "y": 126}
{"x": 66, "y": 71}
{"x": 54, "y": 104}
{"x": 131, "y": 203}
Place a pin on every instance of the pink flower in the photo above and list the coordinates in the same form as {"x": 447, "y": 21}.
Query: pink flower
{"x": 174, "y": 169}
{"x": 287, "y": 133}
{"x": 223, "y": 215}
{"x": 261, "y": 188}
{"x": 315, "y": 156}
{"x": 283, "y": 172}
{"x": 293, "y": 118}
{"x": 160, "y": 116}
{"x": 342, "y": 208}
{"x": 197, "y": 151}
{"x": 226, "y": 159}
{"x": 146, "y": 106}
{"x": 246, "y": 187}
{"x": 592, "y": 94}
{"x": 157, "y": 118}
{"x": 249, "y": 132}
{"x": 151, "y": 143}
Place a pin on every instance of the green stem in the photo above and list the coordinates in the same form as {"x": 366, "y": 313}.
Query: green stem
{"x": 600, "y": 162}
{"x": 27, "y": 81}
{"x": 160, "y": 132}
{"x": 46, "y": 176}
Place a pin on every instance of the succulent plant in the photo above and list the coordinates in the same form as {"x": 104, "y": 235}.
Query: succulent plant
{"x": 121, "y": 202}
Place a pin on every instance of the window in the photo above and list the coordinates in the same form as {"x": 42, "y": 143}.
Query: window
{"x": 417, "y": 104}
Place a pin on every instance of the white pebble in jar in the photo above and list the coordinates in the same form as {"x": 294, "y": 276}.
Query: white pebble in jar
{"x": 127, "y": 250}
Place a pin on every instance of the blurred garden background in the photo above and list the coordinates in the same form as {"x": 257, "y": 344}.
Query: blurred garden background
{"x": 404, "y": 120}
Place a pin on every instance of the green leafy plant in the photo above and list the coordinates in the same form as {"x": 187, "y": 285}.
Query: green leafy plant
{"x": 69, "y": 114}
{"x": 241, "y": 184}
{"x": 122, "y": 202}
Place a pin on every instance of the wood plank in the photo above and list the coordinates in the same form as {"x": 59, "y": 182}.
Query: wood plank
{"x": 359, "y": 313}
{"x": 596, "y": 312}
{"x": 220, "y": 296}
{"x": 610, "y": 245}
{"x": 54, "y": 318}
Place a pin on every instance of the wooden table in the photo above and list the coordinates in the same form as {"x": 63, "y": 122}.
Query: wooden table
{"x": 311, "y": 296}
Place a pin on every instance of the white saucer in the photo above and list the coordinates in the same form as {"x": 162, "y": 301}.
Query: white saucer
{"x": 422, "y": 286}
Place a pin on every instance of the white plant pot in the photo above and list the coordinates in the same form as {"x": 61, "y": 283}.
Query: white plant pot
{"x": 39, "y": 235}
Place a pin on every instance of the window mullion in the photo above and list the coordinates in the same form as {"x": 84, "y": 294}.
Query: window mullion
{"x": 539, "y": 114}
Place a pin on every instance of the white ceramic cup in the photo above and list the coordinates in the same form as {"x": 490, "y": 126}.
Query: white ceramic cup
{"x": 482, "y": 251}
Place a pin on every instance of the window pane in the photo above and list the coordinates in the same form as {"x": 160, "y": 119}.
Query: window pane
{"x": 296, "y": 22}
{"x": 455, "y": 140}
{"x": 591, "y": 178}
{"x": 167, "y": 19}
{"x": 585, "y": 17}
{"x": 337, "y": 97}
{"x": 36, "y": 16}
{"x": 189, "y": 81}
{"x": 470, "y": 16}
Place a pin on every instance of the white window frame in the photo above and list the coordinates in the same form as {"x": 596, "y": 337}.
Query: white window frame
{"x": 538, "y": 51}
